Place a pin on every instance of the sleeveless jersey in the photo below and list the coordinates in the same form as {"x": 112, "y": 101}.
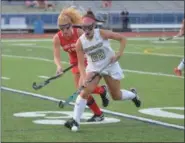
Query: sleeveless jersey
{"x": 68, "y": 45}
{"x": 97, "y": 50}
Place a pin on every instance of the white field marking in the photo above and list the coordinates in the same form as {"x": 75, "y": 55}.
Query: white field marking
{"x": 44, "y": 77}
{"x": 105, "y": 111}
{"x": 32, "y": 58}
{"x": 159, "y": 112}
{"x": 29, "y": 46}
{"x": 149, "y": 38}
{"x": 126, "y": 70}
{"x": 154, "y": 46}
{"x": 134, "y": 53}
{"x": 128, "y": 38}
{"x": 60, "y": 118}
{"x": 152, "y": 73}
{"x": 5, "y": 78}
{"x": 164, "y": 42}
{"x": 23, "y": 44}
{"x": 36, "y": 46}
{"x": 25, "y": 40}
{"x": 154, "y": 54}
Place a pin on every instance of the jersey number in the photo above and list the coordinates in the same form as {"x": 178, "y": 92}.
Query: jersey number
{"x": 98, "y": 55}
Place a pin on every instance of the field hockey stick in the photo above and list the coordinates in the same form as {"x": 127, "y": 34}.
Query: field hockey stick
{"x": 74, "y": 95}
{"x": 165, "y": 39}
{"x": 42, "y": 84}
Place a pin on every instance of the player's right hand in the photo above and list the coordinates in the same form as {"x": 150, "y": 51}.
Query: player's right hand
{"x": 59, "y": 70}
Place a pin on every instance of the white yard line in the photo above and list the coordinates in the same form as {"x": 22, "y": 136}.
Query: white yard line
{"x": 25, "y": 40}
{"x": 152, "y": 73}
{"x": 5, "y": 78}
{"x": 155, "y": 54}
{"x": 29, "y": 46}
{"x": 133, "y": 53}
{"x": 128, "y": 38}
{"x": 31, "y": 58}
{"x": 105, "y": 111}
{"x": 44, "y": 77}
{"x": 126, "y": 70}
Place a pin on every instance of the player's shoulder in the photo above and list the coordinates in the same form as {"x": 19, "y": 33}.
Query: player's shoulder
{"x": 56, "y": 37}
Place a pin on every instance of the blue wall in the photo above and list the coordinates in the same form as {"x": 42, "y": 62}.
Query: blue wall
{"x": 135, "y": 18}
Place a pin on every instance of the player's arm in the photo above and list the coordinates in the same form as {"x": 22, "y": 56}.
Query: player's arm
{"x": 107, "y": 34}
{"x": 182, "y": 28}
{"x": 181, "y": 31}
{"x": 80, "y": 55}
{"x": 56, "y": 52}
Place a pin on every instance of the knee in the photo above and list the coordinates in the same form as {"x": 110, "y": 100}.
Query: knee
{"x": 84, "y": 94}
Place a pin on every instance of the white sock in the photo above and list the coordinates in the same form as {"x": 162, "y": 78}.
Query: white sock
{"x": 79, "y": 108}
{"x": 181, "y": 65}
{"x": 127, "y": 95}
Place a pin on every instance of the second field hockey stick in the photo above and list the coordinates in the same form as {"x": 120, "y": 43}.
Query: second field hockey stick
{"x": 165, "y": 39}
{"x": 74, "y": 95}
{"x": 42, "y": 84}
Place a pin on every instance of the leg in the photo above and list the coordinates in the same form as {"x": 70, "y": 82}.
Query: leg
{"x": 91, "y": 103}
{"x": 98, "y": 114}
{"x": 178, "y": 70}
{"x": 81, "y": 102}
{"x": 117, "y": 94}
{"x": 102, "y": 91}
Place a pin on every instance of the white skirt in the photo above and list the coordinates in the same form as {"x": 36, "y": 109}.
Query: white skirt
{"x": 114, "y": 70}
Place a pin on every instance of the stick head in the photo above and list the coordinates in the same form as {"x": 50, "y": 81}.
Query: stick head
{"x": 161, "y": 39}
{"x": 34, "y": 85}
{"x": 61, "y": 104}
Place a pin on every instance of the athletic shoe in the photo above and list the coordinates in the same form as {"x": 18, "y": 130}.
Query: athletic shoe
{"x": 136, "y": 100}
{"x": 96, "y": 118}
{"x": 105, "y": 97}
{"x": 177, "y": 72}
{"x": 71, "y": 123}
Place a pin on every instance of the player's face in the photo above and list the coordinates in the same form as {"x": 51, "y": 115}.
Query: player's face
{"x": 88, "y": 27}
{"x": 66, "y": 29}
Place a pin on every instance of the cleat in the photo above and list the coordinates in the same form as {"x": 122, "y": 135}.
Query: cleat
{"x": 70, "y": 124}
{"x": 177, "y": 72}
{"x": 105, "y": 97}
{"x": 96, "y": 118}
{"x": 136, "y": 100}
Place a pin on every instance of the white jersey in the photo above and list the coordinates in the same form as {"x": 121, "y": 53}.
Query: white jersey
{"x": 98, "y": 53}
{"x": 97, "y": 50}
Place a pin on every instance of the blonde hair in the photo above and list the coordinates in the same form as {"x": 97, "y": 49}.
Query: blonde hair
{"x": 70, "y": 15}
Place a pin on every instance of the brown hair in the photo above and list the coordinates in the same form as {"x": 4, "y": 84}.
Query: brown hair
{"x": 91, "y": 15}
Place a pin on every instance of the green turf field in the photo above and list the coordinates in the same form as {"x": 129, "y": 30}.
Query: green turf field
{"x": 148, "y": 66}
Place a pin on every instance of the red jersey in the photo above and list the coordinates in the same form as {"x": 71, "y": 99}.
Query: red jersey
{"x": 68, "y": 45}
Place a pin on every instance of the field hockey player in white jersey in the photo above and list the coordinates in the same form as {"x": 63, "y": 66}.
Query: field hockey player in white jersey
{"x": 95, "y": 44}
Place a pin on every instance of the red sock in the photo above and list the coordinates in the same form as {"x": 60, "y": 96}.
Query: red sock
{"x": 98, "y": 90}
{"x": 93, "y": 106}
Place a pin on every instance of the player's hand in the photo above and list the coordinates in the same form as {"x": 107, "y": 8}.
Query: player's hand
{"x": 116, "y": 57}
{"x": 85, "y": 83}
{"x": 59, "y": 70}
